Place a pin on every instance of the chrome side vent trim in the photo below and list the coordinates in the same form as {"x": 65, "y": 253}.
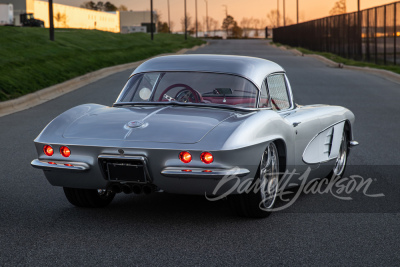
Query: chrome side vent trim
{"x": 328, "y": 141}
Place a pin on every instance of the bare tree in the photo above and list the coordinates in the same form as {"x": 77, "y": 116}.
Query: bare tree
{"x": 273, "y": 18}
{"x": 263, "y": 23}
{"x": 122, "y": 8}
{"x": 199, "y": 26}
{"x": 289, "y": 21}
{"x": 171, "y": 26}
{"x": 157, "y": 16}
{"x": 245, "y": 23}
{"x": 188, "y": 20}
{"x": 207, "y": 25}
{"x": 302, "y": 16}
{"x": 338, "y": 8}
{"x": 213, "y": 25}
{"x": 256, "y": 25}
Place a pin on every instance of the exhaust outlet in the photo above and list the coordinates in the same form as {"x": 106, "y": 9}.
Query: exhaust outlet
{"x": 137, "y": 189}
{"x": 147, "y": 189}
{"x": 116, "y": 188}
{"x": 127, "y": 189}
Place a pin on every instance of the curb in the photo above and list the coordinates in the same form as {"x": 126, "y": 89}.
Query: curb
{"x": 391, "y": 76}
{"x": 52, "y": 92}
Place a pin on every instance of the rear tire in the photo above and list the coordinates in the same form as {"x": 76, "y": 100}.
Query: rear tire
{"x": 259, "y": 203}
{"x": 88, "y": 198}
{"x": 341, "y": 161}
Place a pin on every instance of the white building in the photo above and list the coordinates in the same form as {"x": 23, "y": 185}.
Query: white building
{"x": 137, "y": 21}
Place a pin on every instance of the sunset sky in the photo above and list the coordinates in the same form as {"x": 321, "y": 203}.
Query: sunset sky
{"x": 308, "y": 9}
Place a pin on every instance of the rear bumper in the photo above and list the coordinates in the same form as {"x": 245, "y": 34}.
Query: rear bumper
{"x": 211, "y": 173}
{"x": 163, "y": 168}
{"x": 60, "y": 165}
{"x": 197, "y": 181}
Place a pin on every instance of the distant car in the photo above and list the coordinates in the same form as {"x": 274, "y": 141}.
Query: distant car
{"x": 183, "y": 123}
{"x": 28, "y": 20}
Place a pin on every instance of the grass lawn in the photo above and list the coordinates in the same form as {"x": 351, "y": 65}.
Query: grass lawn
{"x": 29, "y": 61}
{"x": 339, "y": 59}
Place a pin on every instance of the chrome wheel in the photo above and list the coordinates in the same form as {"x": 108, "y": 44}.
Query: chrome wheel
{"x": 341, "y": 160}
{"x": 259, "y": 202}
{"x": 269, "y": 176}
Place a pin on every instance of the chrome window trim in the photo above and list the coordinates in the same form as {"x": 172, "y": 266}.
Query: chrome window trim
{"x": 288, "y": 91}
{"x": 122, "y": 93}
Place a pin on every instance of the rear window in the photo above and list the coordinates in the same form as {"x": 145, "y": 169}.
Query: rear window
{"x": 190, "y": 87}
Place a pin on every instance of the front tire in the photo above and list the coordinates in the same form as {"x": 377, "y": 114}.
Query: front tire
{"x": 259, "y": 203}
{"x": 88, "y": 198}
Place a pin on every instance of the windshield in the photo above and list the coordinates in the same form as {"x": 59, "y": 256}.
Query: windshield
{"x": 190, "y": 87}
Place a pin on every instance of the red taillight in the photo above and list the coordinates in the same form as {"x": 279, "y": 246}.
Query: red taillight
{"x": 65, "y": 151}
{"x": 207, "y": 171}
{"x": 48, "y": 150}
{"x": 187, "y": 170}
{"x": 185, "y": 157}
{"x": 206, "y": 157}
{"x": 52, "y": 163}
{"x": 69, "y": 165}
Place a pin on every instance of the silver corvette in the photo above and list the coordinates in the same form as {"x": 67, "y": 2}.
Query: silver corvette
{"x": 183, "y": 124}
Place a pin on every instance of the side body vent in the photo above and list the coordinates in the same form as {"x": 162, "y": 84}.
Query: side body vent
{"x": 325, "y": 145}
{"x": 328, "y": 141}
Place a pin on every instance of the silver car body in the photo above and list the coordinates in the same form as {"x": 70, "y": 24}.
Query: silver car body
{"x": 306, "y": 136}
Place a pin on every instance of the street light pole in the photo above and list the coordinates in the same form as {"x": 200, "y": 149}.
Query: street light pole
{"x": 151, "y": 20}
{"x": 226, "y": 10}
{"x": 185, "y": 22}
{"x": 196, "y": 20}
{"x": 206, "y": 14}
{"x": 169, "y": 21}
{"x": 51, "y": 20}
{"x": 277, "y": 14}
{"x": 284, "y": 19}
{"x": 297, "y": 8}
{"x": 359, "y": 30}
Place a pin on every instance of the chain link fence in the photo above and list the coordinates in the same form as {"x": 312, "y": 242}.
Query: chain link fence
{"x": 370, "y": 35}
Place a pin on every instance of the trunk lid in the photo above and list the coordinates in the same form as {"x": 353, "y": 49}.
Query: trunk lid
{"x": 164, "y": 124}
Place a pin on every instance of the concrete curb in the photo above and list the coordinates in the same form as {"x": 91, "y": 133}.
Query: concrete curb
{"x": 49, "y": 93}
{"x": 391, "y": 76}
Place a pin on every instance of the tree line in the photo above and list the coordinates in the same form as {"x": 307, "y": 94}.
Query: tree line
{"x": 210, "y": 25}
{"x": 232, "y": 28}
{"x": 101, "y": 6}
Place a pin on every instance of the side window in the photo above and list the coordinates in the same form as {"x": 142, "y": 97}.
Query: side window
{"x": 278, "y": 91}
{"x": 264, "y": 97}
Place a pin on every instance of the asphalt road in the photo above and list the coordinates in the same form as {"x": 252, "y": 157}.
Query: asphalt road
{"x": 39, "y": 227}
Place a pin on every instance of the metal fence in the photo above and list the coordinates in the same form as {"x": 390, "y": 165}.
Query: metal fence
{"x": 371, "y": 35}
